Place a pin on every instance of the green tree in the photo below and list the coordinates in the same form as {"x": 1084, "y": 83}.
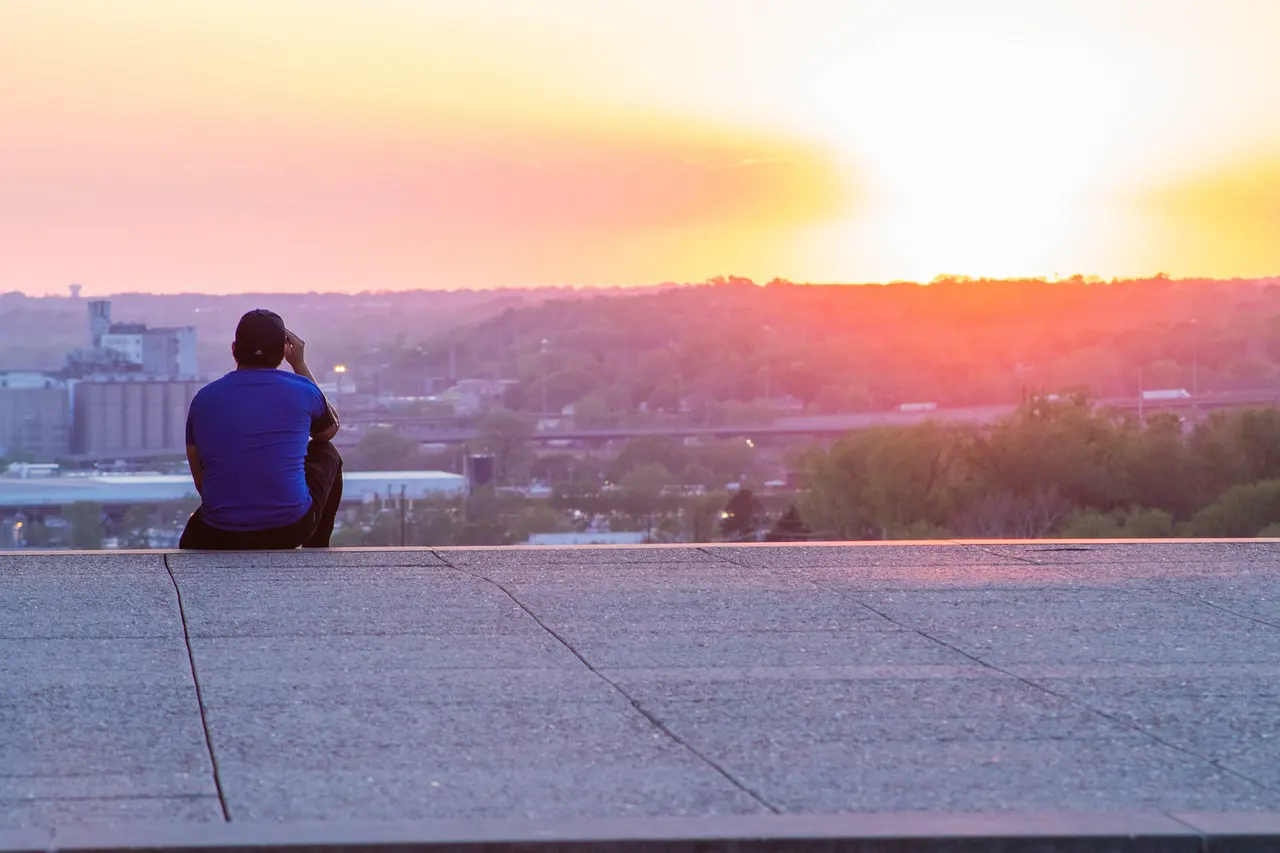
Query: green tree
{"x": 1160, "y": 468}
{"x": 667, "y": 452}
{"x": 742, "y": 516}
{"x": 643, "y": 490}
{"x": 878, "y": 483}
{"x": 383, "y": 449}
{"x": 539, "y": 517}
{"x": 1241, "y": 511}
{"x": 1092, "y": 524}
{"x": 506, "y": 435}
{"x": 1148, "y": 524}
{"x": 135, "y": 527}
{"x": 84, "y": 520}
{"x": 789, "y": 528}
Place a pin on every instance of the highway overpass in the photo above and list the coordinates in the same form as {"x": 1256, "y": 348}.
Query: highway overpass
{"x": 826, "y": 425}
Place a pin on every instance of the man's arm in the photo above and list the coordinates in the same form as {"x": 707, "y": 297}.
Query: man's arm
{"x": 193, "y": 459}
{"x": 295, "y": 354}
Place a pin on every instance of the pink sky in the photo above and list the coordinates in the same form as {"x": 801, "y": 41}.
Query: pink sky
{"x": 341, "y": 145}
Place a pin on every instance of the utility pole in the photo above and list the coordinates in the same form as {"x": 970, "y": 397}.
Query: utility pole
{"x": 1195, "y": 357}
{"x": 543, "y": 410}
{"x": 403, "y": 529}
{"x": 1140, "y": 421}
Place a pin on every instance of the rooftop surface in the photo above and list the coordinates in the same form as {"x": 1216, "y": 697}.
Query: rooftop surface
{"x": 1134, "y": 685}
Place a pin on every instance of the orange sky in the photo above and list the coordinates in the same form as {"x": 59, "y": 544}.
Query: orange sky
{"x": 232, "y": 145}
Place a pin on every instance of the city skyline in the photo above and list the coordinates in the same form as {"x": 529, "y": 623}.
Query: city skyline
{"x": 295, "y": 146}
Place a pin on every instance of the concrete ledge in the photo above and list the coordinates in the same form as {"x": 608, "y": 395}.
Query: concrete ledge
{"x": 1010, "y": 832}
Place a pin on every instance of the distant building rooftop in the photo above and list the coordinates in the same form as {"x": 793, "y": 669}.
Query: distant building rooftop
{"x": 589, "y": 537}
{"x": 120, "y": 489}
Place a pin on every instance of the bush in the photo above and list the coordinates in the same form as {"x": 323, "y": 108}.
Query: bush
{"x": 1241, "y": 511}
{"x": 1148, "y": 524}
{"x": 1091, "y": 524}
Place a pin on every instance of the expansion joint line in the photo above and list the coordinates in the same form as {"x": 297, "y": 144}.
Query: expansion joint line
{"x": 617, "y": 688}
{"x": 195, "y": 680}
{"x": 1195, "y": 599}
{"x": 720, "y": 557}
{"x": 1119, "y": 721}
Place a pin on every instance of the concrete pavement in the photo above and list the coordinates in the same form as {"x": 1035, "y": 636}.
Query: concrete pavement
{"x": 1122, "y": 682}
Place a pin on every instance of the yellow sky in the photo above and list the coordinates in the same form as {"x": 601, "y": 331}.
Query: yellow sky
{"x": 232, "y": 145}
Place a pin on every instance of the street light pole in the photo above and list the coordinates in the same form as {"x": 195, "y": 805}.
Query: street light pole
{"x": 338, "y": 371}
{"x": 1140, "y": 397}
{"x": 543, "y": 410}
{"x": 1195, "y": 357}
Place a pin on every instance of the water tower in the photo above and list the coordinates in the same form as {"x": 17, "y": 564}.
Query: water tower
{"x": 75, "y": 290}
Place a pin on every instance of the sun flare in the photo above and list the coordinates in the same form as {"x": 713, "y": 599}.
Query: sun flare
{"x": 979, "y": 151}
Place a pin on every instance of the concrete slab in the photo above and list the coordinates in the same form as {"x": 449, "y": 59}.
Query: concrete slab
{"x": 274, "y": 657}
{"x": 784, "y": 712}
{"x": 852, "y": 833}
{"x": 1006, "y": 647}
{"x": 1026, "y": 776}
{"x": 99, "y": 718}
{"x": 861, "y": 555}
{"x": 476, "y": 743}
{"x": 402, "y": 685}
{"x": 357, "y": 604}
{"x": 668, "y": 786}
{"x": 680, "y": 647}
{"x": 725, "y": 608}
{"x": 150, "y": 732}
{"x": 101, "y": 812}
{"x": 51, "y": 596}
{"x": 586, "y": 556}
{"x": 1230, "y": 720}
{"x": 636, "y": 576}
{"x": 305, "y": 559}
{"x": 1235, "y": 554}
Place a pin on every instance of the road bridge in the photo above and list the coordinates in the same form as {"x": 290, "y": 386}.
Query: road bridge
{"x": 828, "y": 425}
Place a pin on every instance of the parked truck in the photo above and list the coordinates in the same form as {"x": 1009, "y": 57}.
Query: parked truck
{"x": 1166, "y": 394}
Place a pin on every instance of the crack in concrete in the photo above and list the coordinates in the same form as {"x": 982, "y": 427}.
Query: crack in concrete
{"x": 195, "y": 680}
{"x": 1119, "y": 721}
{"x": 720, "y": 557}
{"x": 635, "y": 703}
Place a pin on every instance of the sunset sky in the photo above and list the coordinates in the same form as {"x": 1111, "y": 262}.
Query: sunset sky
{"x": 295, "y": 145}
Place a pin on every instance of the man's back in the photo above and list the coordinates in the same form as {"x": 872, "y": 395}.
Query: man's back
{"x": 251, "y": 429}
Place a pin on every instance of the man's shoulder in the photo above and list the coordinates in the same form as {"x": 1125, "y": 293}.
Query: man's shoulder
{"x": 226, "y": 388}
{"x": 298, "y": 385}
{"x": 258, "y": 378}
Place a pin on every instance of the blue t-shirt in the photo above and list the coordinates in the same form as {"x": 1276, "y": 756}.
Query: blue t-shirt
{"x": 251, "y": 429}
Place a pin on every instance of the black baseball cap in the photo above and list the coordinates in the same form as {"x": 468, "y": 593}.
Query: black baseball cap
{"x": 260, "y": 338}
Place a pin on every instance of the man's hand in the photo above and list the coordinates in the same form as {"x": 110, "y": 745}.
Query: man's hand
{"x": 295, "y": 352}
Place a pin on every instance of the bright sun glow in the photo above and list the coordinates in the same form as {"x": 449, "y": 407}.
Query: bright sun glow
{"x": 978, "y": 150}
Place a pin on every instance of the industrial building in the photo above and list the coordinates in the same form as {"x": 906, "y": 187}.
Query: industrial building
{"x": 35, "y": 417}
{"x": 124, "y": 397}
{"x": 133, "y": 347}
{"x": 130, "y": 416}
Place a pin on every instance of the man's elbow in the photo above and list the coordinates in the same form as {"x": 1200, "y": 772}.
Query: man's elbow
{"x": 326, "y": 435}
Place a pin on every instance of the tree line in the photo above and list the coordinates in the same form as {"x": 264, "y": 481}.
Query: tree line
{"x": 725, "y": 349}
{"x": 1054, "y": 468}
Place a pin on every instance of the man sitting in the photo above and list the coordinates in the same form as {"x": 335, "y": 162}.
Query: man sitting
{"x": 258, "y": 441}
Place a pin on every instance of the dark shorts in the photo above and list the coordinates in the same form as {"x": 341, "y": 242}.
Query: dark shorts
{"x": 313, "y": 530}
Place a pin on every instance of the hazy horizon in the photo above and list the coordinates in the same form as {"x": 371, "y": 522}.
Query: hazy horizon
{"x": 89, "y": 293}
{"x": 316, "y": 145}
